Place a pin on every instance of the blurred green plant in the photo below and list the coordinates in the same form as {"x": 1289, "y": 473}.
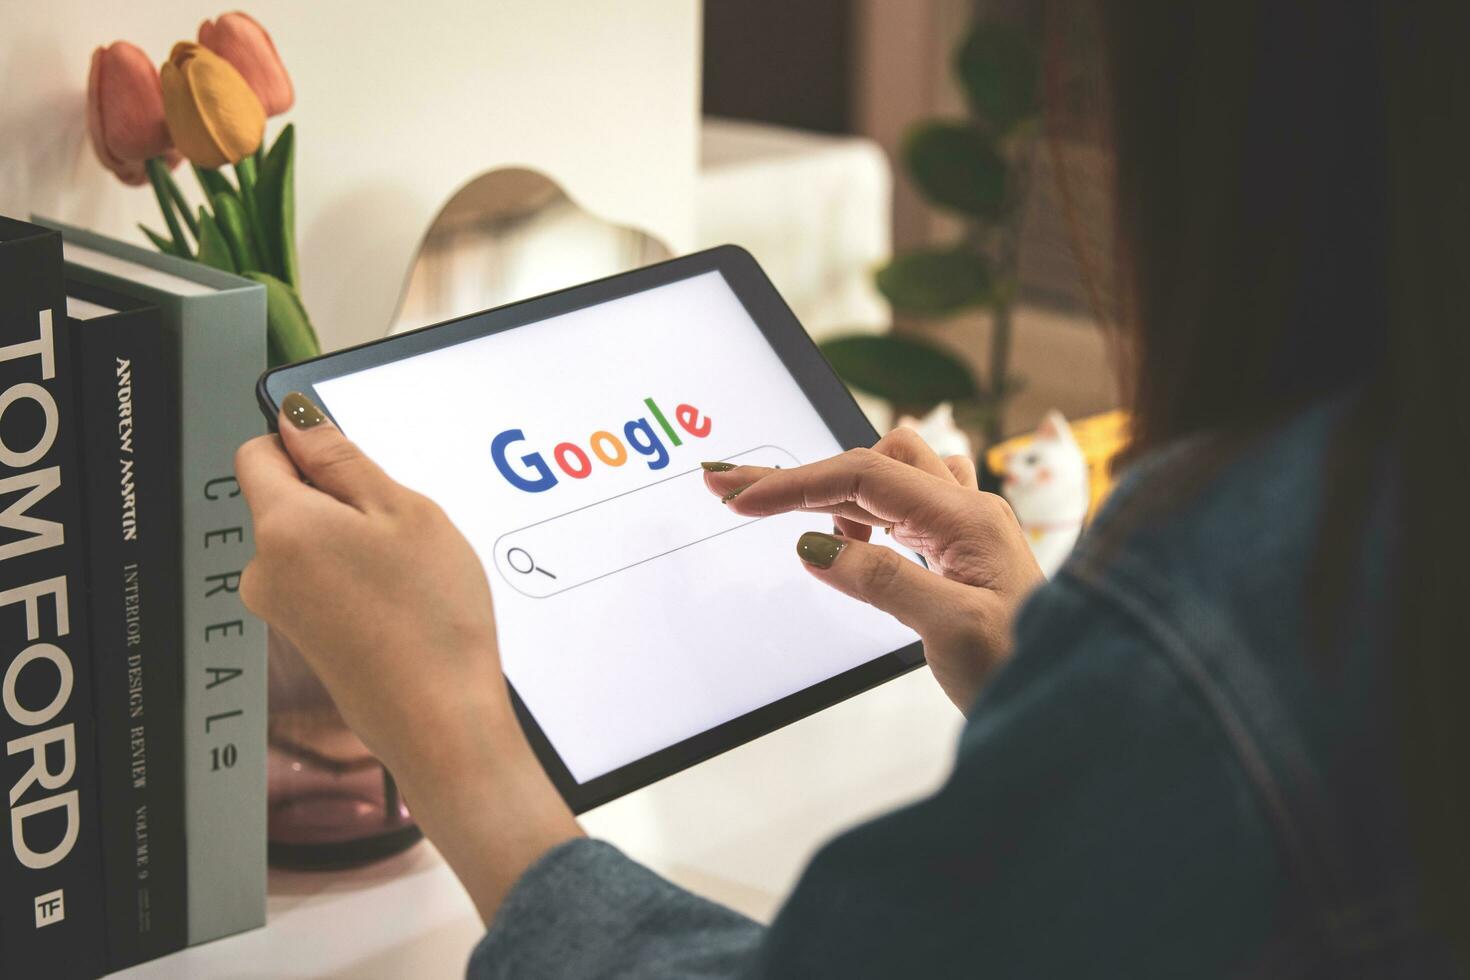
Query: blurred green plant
{"x": 978, "y": 169}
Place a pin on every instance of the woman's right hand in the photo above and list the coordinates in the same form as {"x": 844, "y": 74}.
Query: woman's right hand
{"x": 981, "y": 568}
{"x": 389, "y": 605}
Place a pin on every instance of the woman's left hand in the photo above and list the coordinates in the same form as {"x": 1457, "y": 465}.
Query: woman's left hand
{"x": 389, "y": 605}
{"x": 985, "y": 569}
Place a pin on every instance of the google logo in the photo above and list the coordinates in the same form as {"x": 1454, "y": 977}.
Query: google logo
{"x": 573, "y": 460}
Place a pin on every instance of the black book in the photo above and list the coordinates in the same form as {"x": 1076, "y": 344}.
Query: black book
{"x": 130, "y": 495}
{"x": 51, "y": 918}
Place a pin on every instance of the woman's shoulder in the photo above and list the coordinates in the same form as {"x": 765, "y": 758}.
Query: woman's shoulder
{"x": 1210, "y": 504}
{"x": 1223, "y": 548}
{"x": 1220, "y": 555}
{"x": 1195, "y": 602}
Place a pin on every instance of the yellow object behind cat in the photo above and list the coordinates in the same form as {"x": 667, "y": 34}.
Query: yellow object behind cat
{"x": 1100, "y": 437}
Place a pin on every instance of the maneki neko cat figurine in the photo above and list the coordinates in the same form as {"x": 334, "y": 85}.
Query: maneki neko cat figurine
{"x": 1046, "y": 483}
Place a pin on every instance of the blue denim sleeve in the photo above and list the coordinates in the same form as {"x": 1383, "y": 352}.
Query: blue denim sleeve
{"x": 586, "y": 910}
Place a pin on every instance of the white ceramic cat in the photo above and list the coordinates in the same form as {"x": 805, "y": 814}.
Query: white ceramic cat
{"x": 939, "y": 430}
{"x": 1047, "y": 485}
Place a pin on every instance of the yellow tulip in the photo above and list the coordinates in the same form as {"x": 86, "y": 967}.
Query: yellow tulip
{"x": 214, "y": 116}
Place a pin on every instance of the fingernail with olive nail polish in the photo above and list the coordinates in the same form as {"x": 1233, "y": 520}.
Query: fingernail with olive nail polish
{"x": 717, "y": 467}
{"x": 302, "y": 412}
{"x": 816, "y": 548}
{"x": 733, "y": 494}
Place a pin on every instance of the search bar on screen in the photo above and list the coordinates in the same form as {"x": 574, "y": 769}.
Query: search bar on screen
{"x": 592, "y": 542}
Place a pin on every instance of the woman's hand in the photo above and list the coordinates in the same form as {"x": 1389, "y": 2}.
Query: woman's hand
{"x": 970, "y": 539}
{"x": 388, "y": 603}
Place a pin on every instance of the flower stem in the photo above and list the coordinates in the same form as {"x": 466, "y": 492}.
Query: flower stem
{"x": 185, "y": 211}
{"x": 245, "y": 173}
{"x": 156, "y": 174}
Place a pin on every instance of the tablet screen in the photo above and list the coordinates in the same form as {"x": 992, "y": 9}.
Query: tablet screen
{"x": 634, "y": 610}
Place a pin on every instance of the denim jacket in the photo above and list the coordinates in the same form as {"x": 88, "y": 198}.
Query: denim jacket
{"x": 1161, "y": 782}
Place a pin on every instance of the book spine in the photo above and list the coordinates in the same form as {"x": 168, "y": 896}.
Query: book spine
{"x": 216, "y": 350}
{"x": 221, "y": 352}
{"x": 50, "y": 901}
{"x": 130, "y": 490}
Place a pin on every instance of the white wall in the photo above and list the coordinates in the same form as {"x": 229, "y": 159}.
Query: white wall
{"x": 397, "y": 105}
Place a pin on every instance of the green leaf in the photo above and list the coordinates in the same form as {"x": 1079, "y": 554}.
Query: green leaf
{"x": 936, "y": 282}
{"x": 159, "y": 242}
{"x": 290, "y": 336}
{"x": 275, "y": 195}
{"x": 229, "y": 213}
{"x": 1000, "y": 73}
{"x": 213, "y": 249}
{"x": 245, "y": 175}
{"x": 956, "y": 166}
{"x": 158, "y": 176}
{"x": 901, "y": 370}
{"x": 181, "y": 203}
{"x": 213, "y": 182}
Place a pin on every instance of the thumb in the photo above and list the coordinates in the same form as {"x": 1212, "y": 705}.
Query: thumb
{"x": 882, "y": 578}
{"x": 328, "y": 459}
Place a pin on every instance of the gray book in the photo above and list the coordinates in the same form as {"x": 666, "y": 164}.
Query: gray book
{"x": 215, "y": 325}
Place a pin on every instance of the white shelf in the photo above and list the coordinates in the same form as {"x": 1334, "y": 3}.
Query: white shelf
{"x": 403, "y": 917}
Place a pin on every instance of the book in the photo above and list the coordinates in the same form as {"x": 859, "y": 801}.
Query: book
{"x": 50, "y": 908}
{"x": 214, "y": 328}
{"x": 130, "y": 497}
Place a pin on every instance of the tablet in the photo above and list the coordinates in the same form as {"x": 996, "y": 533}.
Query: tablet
{"x": 643, "y": 626}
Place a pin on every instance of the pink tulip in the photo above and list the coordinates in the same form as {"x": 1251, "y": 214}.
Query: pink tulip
{"x": 125, "y": 112}
{"x": 241, "y": 41}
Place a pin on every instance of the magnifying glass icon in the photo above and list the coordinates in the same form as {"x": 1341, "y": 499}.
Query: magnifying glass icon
{"x": 516, "y": 558}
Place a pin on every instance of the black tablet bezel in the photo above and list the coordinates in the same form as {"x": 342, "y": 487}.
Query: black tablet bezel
{"x": 826, "y": 392}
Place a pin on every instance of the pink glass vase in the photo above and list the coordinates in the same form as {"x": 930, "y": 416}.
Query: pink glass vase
{"x": 331, "y": 803}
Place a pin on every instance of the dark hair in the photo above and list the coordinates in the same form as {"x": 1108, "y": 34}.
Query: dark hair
{"x": 1291, "y": 214}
